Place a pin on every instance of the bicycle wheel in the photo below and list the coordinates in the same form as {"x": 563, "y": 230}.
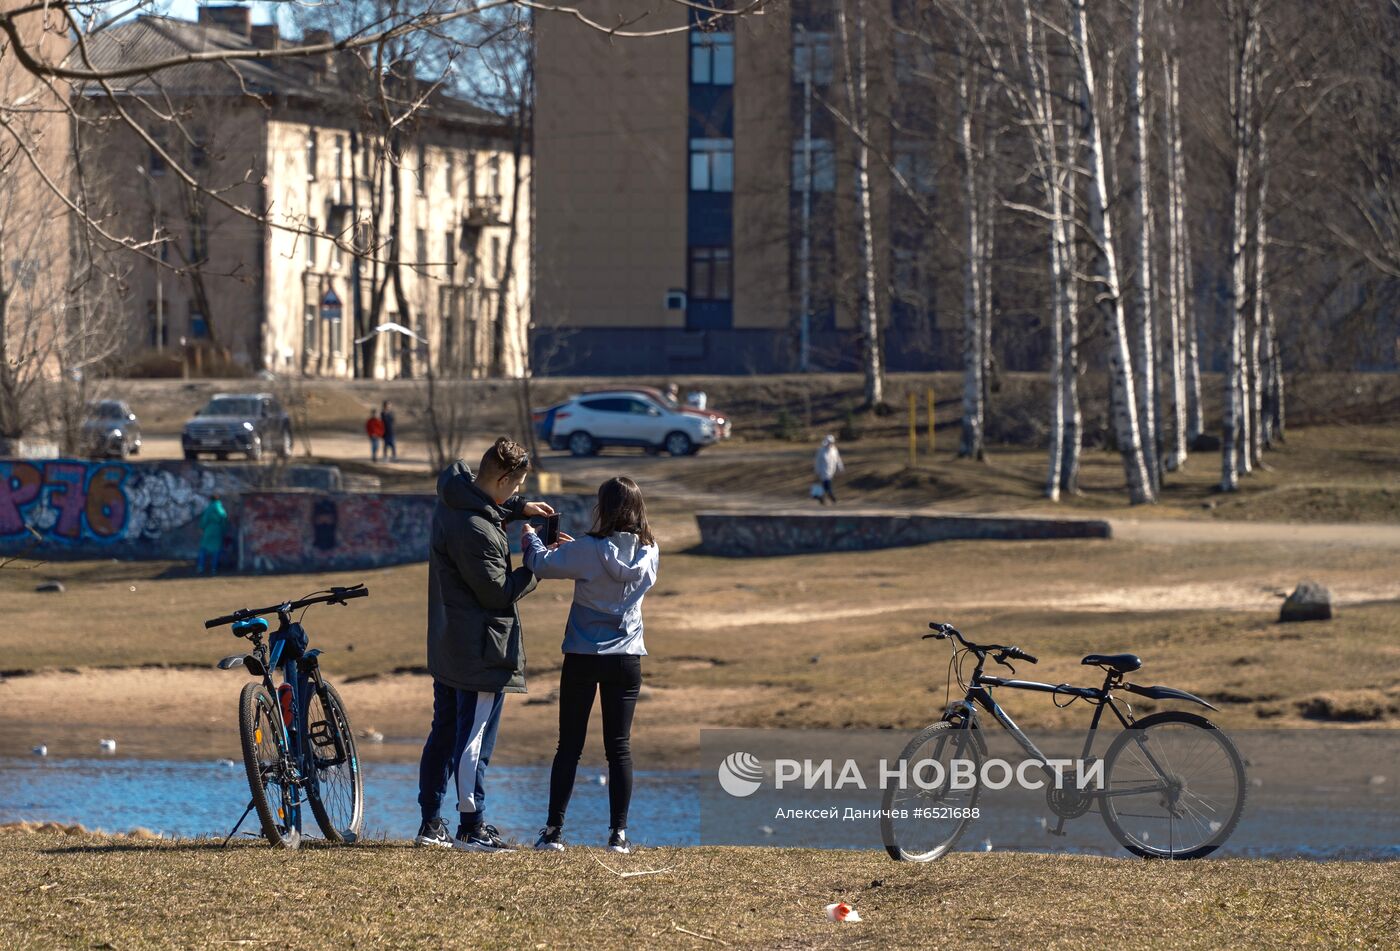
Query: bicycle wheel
{"x": 935, "y": 817}
{"x": 265, "y": 758}
{"x": 338, "y": 803}
{"x": 1174, "y": 787}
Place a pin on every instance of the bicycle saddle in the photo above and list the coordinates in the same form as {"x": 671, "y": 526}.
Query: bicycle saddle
{"x": 1123, "y": 663}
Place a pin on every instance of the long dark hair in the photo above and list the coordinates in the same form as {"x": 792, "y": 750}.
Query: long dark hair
{"x": 621, "y": 508}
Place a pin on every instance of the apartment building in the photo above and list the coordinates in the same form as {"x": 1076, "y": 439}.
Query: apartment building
{"x": 320, "y": 241}
{"x": 678, "y": 227}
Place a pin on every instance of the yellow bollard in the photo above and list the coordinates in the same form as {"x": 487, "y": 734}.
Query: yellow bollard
{"x": 913, "y": 431}
{"x": 930, "y": 422}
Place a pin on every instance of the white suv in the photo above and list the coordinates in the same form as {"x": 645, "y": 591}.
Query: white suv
{"x": 587, "y": 423}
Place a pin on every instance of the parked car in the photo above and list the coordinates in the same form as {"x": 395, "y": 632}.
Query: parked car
{"x": 723, "y": 425}
{"x": 248, "y": 423}
{"x": 110, "y": 430}
{"x": 591, "y": 421}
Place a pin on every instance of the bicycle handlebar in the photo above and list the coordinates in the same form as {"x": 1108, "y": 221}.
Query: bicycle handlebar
{"x": 337, "y": 595}
{"x": 941, "y": 631}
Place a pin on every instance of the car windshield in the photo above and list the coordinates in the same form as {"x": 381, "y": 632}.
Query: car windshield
{"x": 106, "y": 411}
{"x": 230, "y": 406}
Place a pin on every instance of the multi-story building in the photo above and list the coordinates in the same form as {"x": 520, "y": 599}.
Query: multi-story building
{"x": 321, "y": 240}
{"x": 678, "y": 229}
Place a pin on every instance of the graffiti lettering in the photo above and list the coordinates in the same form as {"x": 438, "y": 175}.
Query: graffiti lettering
{"x": 65, "y": 484}
{"x": 18, "y": 487}
{"x": 106, "y": 503}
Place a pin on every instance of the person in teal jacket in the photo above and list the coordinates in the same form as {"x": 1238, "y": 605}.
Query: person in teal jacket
{"x": 211, "y": 541}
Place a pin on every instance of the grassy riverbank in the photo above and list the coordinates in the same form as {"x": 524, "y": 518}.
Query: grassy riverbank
{"x": 86, "y": 891}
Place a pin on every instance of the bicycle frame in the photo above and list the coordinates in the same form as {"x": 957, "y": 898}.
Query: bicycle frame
{"x": 978, "y": 695}
{"x": 302, "y": 678}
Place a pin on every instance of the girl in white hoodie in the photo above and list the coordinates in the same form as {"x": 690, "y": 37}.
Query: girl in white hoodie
{"x": 613, "y": 567}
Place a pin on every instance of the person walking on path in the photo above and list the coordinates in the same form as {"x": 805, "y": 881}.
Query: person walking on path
{"x": 476, "y": 648}
{"x": 613, "y": 567}
{"x": 211, "y": 540}
{"x": 374, "y": 429}
{"x": 387, "y": 418}
{"x": 828, "y": 465}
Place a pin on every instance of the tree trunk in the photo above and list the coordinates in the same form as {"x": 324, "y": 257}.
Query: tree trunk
{"x": 1142, "y": 225}
{"x": 974, "y": 359}
{"x": 856, "y": 91}
{"x": 1176, "y": 293}
{"x": 1110, "y": 301}
{"x": 1242, "y": 55}
{"x": 1261, "y": 303}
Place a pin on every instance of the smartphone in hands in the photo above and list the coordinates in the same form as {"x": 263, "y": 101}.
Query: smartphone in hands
{"x": 551, "y": 530}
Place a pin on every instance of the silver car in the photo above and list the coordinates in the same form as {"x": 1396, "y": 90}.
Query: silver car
{"x": 110, "y": 430}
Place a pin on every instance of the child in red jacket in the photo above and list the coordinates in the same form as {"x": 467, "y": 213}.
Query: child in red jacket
{"x": 374, "y": 428}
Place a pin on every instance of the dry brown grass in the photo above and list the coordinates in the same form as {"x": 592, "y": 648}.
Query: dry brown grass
{"x": 83, "y": 891}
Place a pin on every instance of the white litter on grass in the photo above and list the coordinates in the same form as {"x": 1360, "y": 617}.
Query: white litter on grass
{"x": 840, "y": 911}
{"x": 40, "y": 750}
{"x": 108, "y": 746}
{"x": 649, "y": 871}
{"x": 986, "y": 845}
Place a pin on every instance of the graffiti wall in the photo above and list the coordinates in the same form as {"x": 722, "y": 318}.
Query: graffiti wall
{"x": 76, "y": 508}
{"x": 289, "y": 531}
{"x": 746, "y": 535}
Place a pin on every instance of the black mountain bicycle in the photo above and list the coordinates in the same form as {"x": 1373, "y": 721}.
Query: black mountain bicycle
{"x": 1173, "y": 783}
{"x": 297, "y": 744}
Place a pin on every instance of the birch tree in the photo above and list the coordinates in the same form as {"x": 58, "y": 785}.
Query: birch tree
{"x": 1177, "y": 300}
{"x": 1244, "y": 33}
{"x": 853, "y": 48}
{"x": 1108, "y": 290}
{"x": 1142, "y": 227}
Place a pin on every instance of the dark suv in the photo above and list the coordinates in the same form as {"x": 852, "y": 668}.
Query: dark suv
{"x": 249, "y": 423}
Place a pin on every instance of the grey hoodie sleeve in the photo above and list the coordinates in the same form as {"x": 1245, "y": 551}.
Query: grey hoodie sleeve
{"x": 576, "y": 559}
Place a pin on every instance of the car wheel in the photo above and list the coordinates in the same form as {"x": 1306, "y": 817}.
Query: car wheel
{"x": 122, "y": 450}
{"x": 679, "y": 444}
{"x": 284, "y": 449}
{"x": 221, "y": 456}
{"x": 191, "y": 456}
{"x": 255, "y": 451}
{"x": 581, "y": 444}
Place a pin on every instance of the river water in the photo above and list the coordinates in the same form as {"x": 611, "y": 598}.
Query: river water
{"x": 204, "y": 798}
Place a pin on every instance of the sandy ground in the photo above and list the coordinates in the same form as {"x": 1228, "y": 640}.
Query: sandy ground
{"x": 158, "y": 712}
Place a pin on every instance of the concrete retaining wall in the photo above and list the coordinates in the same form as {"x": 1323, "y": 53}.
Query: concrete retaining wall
{"x": 282, "y": 531}
{"x": 80, "y": 508}
{"x": 796, "y": 533}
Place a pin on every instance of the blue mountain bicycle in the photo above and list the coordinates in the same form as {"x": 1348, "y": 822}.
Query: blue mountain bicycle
{"x": 297, "y": 743}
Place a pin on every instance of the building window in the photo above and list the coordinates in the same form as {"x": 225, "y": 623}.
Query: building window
{"x": 339, "y": 157}
{"x": 199, "y": 327}
{"x": 421, "y": 179}
{"x": 710, "y": 274}
{"x": 913, "y": 159}
{"x": 199, "y": 238}
{"x": 199, "y": 149}
{"x": 334, "y": 330}
{"x": 711, "y": 58}
{"x": 496, "y": 269}
{"x": 493, "y": 177}
{"x": 420, "y": 240}
{"x": 449, "y": 247}
{"x": 311, "y": 156}
{"x": 155, "y": 162}
{"x": 311, "y": 226}
{"x": 906, "y": 276}
{"x": 712, "y": 165}
{"x": 913, "y": 58}
{"x": 337, "y": 253}
{"x": 308, "y": 328}
{"x": 450, "y": 173}
{"x": 823, "y": 166}
{"x": 811, "y": 51}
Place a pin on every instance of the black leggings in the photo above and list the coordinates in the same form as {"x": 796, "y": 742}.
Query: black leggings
{"x": 618, "y": 678}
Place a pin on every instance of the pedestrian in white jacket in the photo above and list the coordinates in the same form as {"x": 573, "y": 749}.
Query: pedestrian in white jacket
{"x": 827, "y": 465}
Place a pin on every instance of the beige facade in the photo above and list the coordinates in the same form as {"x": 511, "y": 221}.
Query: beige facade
{"x": 297, "y": 201}
{"x": 627, "y": 134}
